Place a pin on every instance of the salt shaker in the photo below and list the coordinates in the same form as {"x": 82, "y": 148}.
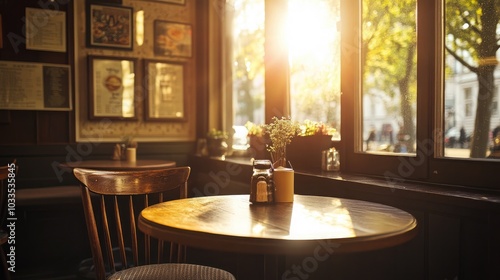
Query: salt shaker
{"x": 262, "y": 187}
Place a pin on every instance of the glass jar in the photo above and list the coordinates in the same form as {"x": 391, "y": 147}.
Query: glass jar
{"x": 330, "y": 160}
{"x": 262, "y": 187}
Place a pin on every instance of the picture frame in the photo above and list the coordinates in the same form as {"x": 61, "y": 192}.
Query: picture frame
{"x": 177, "y": 2}
{"x": 172, "y": 39}
{"x": 110, "y": 26}
{"x": 164, "y": 91}
{"x": 50, "y": 36}
{"x": 49, "y": 87}
{"x": 112, "y": 82}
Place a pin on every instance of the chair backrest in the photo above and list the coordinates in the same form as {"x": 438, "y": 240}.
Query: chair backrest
{"x": 112, "y": 200}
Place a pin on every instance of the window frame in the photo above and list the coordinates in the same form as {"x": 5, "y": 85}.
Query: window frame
{"x": 429, "y": 164}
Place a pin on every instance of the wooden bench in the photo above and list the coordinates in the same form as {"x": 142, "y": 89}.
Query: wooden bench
{"x": 48, "y": 196}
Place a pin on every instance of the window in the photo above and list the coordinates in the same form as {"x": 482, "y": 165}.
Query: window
{"x": 382, "y": 41}
{"x": 389, "y": 76}
{"x": 285, "y": 56}
{"x": 471, "y": 38}
{"x": 417, "y": 78}
{"x": 314, "y": 57}
{"x": 247, "y": 56}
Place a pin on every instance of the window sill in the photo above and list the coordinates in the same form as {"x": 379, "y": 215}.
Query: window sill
{"x": 326, "y": 183}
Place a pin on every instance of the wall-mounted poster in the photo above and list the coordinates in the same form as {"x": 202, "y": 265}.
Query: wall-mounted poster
{"x": 110, "y": 26}
{"x": 172, "y": 39}
{"x": 45, "y": 30}
{"x": 112, "y": 87}
{"x": 164, "y": 90}
{"x": 35, "y": 86}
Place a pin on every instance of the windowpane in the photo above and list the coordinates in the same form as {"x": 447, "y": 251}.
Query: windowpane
{"x": 472, "y": 78}
{"x": 388, "y": 67}
{"x": 314, "y": 57}
{"x": 248, "y": 61}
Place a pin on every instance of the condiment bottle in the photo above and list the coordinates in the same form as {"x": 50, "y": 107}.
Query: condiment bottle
{"x": 262, "y": 187}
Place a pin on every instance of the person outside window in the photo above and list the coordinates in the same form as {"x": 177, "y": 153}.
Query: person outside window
{"x": 462, "y": 137}
{"x": 371, "y": 138}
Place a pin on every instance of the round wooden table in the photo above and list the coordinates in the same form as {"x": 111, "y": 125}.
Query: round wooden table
{"x": 119, "y": 164}
{"x": 231, "y": 223}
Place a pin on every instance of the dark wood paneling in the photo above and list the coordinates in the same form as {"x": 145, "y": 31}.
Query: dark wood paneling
{"x": 50, "y": 240}
{"x": 26, "y": 126}
{"x": 53, "y": 127}
{"x": 20, "y": 130}
{"x": 444, "y": 246}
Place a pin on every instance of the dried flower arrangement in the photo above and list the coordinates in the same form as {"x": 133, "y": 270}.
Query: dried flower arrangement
{"x": 129, "y": 142}
{"x": 281, "y": 132}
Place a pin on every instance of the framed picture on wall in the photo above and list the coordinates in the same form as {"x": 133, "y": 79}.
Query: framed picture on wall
{"x": 179, "y": 2}
{"x": 172, "y": 39}
{"x": 165, "y": 98}
{"x": 110, "y": 26}
{"x": 49, "y": 36}
{"x": 112, "y": 83}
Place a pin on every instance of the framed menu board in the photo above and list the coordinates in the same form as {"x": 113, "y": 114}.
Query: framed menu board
{"x": 112, "y": 87}
{"x": 35, "y": 86}
{"x": 164, "y": 91}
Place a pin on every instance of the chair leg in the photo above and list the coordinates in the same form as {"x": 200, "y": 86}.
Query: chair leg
{"x": 181, "y": 253}
{"x": 177, "y": 253}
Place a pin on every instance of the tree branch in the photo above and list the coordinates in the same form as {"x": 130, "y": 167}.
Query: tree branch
{"x": 463, "y": 62}
{"x": 471, "y": 26}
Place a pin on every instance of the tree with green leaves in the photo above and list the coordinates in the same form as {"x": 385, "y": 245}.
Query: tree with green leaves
{"x": 388, "y": 58}
{"x": 473, "y": 40}
{"x": 248, "y": 60}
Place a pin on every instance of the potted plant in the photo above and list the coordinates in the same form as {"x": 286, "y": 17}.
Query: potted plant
{"x": 217, "y": 143}
{"x": 256, "y": 140}
{"x": 281, "y": 132}
{"x": 313, "y": 138}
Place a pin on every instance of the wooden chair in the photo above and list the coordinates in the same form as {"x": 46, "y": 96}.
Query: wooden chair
{"x": 120, "y": 196}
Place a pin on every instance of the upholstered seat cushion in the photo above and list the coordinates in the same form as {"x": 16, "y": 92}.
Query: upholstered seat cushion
{"x": 172, "y": 271}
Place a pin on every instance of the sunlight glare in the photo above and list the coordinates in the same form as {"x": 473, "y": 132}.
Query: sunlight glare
{"x": 310, "y": 30}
